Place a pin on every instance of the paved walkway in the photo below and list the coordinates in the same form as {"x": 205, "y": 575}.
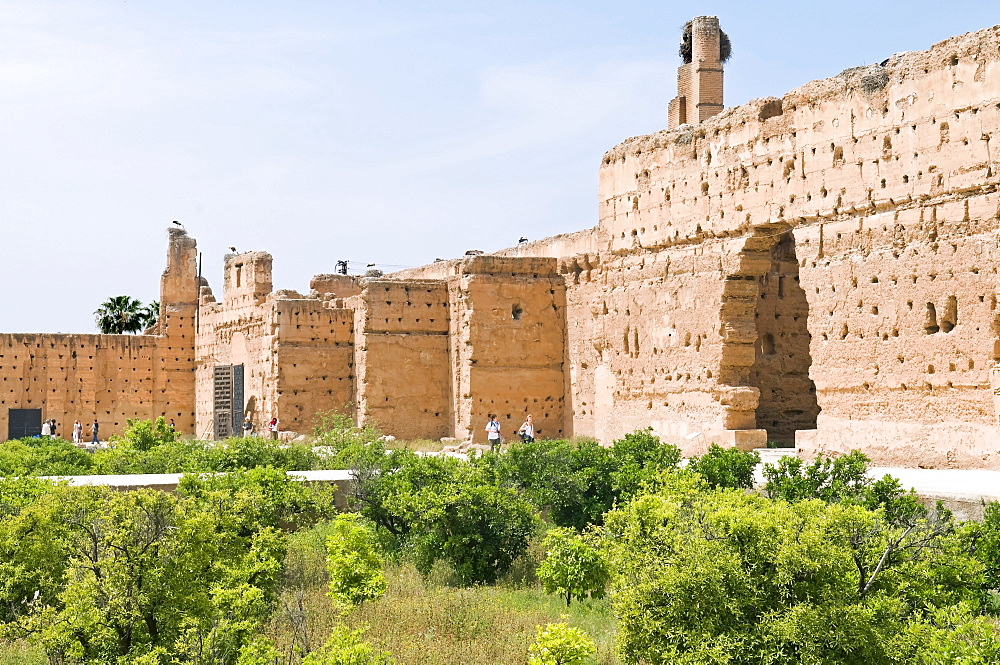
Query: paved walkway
{"x": 170, "y": 480}
{"x": 955, "y": 484}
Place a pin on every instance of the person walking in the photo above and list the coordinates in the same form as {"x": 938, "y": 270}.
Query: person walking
{"x": 527, "y": 431}
{"x": 247, "y": 428}
{"x": 47, "y": 429}
{"x": 273, "y": 427}
{"x": 52, "y": 428}
{"x": 173, "y": 425}
{"x": 94, "y": 432}
{"x": 77, "y": 432}
{"x": 493, "y": 433}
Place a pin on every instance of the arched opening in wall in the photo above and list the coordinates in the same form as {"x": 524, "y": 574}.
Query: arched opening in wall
{"x": 782, "y": 357}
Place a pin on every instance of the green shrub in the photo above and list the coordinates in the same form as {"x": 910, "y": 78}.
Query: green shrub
{"x": 144, "y": 434}
{"x": 251, "y": 499}
{"x": 191, "y": 456}
{"x": 726, "y": 467}
{"x": 345, "y": 647}
{"x": 843, "y": 479}
{"x": 560, "y": 644}
{"x": 574, "y": 566}
{"x": 640, "y": 457}
{"x": 176, "y": 456}
{"x": 344, "y": 440}
{"x": 569, "y": 480}
{"x": 478, "y": 529}
{"x": 727, "y": 576}
{"x": 43, "y": 457}
{"x": 830, "y": 479}
{"x": 353, "y": 561}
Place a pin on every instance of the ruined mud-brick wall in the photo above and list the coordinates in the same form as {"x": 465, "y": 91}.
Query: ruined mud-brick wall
{"x": 443, "y": 346}
{"x": 842, "y": 239}
{"x": 403, "y": 356}
{"x": 646, "y": 347}
{"x": 111, "y": 378}
{"x": 508, "y": 345}
{"x": 297, "y": 352}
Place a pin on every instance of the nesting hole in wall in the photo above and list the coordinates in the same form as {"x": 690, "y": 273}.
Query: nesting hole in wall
{"x": 930, "y": 322}
{"x": 516, "y": 312}
{"x": 767, "y": 344}
{"x": 950, "y": 318}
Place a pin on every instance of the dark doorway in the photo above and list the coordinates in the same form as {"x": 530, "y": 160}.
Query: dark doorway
{"x": 782, "y": 359}
{"x": 23, "y": 423}
{"x": 228, "y": 401}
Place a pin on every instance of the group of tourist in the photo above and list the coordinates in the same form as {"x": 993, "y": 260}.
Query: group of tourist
{"x": 249, "y": 431}
{"x": 49, "y": 429}
{"x": 493, "y": 435}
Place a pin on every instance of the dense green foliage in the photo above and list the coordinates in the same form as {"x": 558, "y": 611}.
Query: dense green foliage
{"x": 574, "y": 566}
{"x": 575, "y": 483}
{"x": 353, "y": 561}
{"x": 726, "y": 467}
{"x": 730, "y": 577}
{"x": 152, "y": 447}
{"x": 560, "y": 644}
{"x": 346, "y": 647}
{"x": 43, "y": 457}
{"x": 238, "y": 566}
{"x": 97, "y": 575}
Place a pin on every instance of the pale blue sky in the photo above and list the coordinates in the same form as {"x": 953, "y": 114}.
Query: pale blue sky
{"x": 393, "y": 132}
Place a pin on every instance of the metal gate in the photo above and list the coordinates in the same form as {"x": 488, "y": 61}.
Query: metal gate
{"x": 22, "y": 423}
{"x": 228, "y": 406}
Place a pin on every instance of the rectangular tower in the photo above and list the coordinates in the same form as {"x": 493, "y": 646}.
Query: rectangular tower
{"x": 704, "y": 47}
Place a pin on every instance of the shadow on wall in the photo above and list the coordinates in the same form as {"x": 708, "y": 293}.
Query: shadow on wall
{"x": 781, "y": 359}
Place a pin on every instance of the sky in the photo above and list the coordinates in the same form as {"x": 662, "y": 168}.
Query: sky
{"x": 384, "y": 132}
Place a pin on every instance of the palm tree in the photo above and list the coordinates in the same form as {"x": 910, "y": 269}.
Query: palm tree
{"x": 150, "y": 315}
{"x": 120, "y": 314}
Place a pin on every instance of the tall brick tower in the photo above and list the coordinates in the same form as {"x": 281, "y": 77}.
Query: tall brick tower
{"x": 704, "y": 48}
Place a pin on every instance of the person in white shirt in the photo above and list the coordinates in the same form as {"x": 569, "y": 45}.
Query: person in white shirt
{"x": 77, "y": 432}
{"x": 493, "y": 433}
{"x": 46, "y": 429}
{"x": 527, "y": 431}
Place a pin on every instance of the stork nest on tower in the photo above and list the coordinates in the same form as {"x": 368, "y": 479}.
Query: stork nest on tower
{"x": 725, "y": 46}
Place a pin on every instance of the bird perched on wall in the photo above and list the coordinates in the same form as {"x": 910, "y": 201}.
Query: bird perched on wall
{"x": 371, "y": 265}
{"x": 522, "y": 240}
{"x": 232, "y": 249}
{"x": 177, "y": 223}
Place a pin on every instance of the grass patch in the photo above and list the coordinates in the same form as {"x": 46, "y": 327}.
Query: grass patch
{"x": 420, "y": 445}
{"x": 20, "y": 652}
{"x": 428, "y": 622}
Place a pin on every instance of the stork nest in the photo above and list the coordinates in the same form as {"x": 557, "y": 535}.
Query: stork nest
{"x": 874, "y": 79}
{"x": 725, "y": 46}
